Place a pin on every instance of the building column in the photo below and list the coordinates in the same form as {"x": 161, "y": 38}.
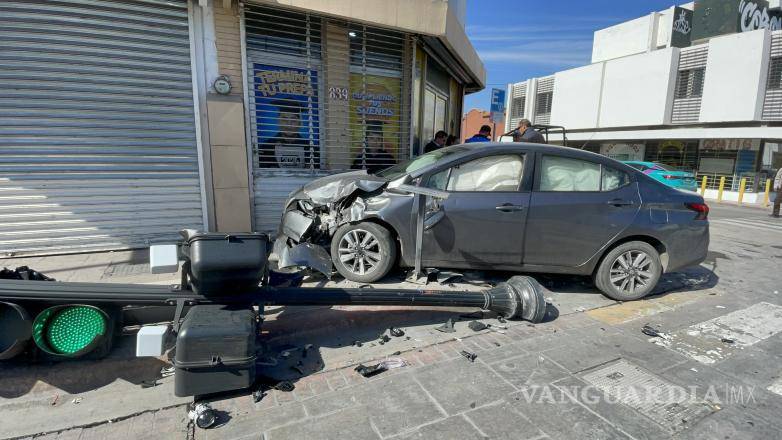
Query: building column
{"x": 227, "y": 131}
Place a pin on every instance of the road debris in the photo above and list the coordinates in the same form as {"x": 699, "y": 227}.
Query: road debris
{"x": 373, "y": 370}
{"x": 284, "y": 386}
{"x": 258, "y": 395}
{"x": 728, "y": 340}
{"x": 446, "y": 277}
{"x": 77, "y": 400}
{"x": 470, "y": 356}
{"x": 203, "y": 415}
{"x": 651, "y": 331}
{"x": 396, "y": 332}
{"x": 447, "y": 327}
{"x": 477, "y": 326}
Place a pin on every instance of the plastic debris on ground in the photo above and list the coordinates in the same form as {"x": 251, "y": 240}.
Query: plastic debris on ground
{"x": 284, "y": 386}
{"x": 203, "y": 415}
{"x": 653, "y": 332}
{"x": 396, "y": 332}
{"x": 447, "y": 327}
{"x": 373, "y": 370}
{"x": 470, "y": 356}
{"x": 447, "y": 277}
{"x": 728, "y": 340}
{"x": 477, "y": 326}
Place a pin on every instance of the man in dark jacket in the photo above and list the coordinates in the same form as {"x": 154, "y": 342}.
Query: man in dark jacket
{"x": 484, "y": 135}
{"x": 525, "y": 133}
{"x": 373, "y": 156}
{"x": 437, "y": 142}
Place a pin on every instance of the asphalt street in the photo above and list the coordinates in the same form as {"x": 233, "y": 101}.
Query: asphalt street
{"x": 712, "y": 371}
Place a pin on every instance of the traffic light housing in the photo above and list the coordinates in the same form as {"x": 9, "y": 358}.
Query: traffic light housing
{"x": 72, "y": 330}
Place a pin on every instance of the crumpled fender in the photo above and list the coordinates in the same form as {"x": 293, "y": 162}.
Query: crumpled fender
{"x": 332, "y": 189}
{"x": 302, "y": 255}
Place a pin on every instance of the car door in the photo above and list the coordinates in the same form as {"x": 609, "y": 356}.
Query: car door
{"x": 481, "y": 223}
{"x": 577, "y": 206}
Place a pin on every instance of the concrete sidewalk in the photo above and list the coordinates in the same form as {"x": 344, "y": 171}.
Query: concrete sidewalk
{"x": 588, "y": 372}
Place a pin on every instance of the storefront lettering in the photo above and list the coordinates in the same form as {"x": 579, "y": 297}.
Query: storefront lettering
{"x": 287, "y": 82}
{"x": 753, "y": 17}
{"x": 728, "y": 144}
{"x": 372, "y": 104}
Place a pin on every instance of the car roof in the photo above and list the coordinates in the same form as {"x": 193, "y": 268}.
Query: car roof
{"x": 477, "y": 149}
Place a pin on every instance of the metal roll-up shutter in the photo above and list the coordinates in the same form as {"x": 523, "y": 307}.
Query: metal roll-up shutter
{"x": 317, "y": 89}
{"x": 689, "y": 84}
{"x": 97, "y": 131}
{"x": 772, "y": 105}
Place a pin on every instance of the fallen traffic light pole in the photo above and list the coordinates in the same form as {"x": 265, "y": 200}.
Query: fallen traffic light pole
{"x": 223, "y": 279}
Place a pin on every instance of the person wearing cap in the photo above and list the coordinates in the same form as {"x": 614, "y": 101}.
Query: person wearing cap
{"x": 484, "y": 135}
{"x": 438, "y": 142}
{"x": 287, "y": 149}
{"x": 373, "y": 156}
{"x": 525, "y": 133}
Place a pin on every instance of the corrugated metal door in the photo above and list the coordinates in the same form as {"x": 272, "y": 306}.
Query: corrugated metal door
{"x": 321, "y": 95}
{"x": 97, "y": 133}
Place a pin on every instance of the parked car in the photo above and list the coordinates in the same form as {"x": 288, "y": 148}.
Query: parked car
{"x": 666, "y": 174}
{"x": 510, "y": 206}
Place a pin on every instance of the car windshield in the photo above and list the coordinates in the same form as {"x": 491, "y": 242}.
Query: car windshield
{"x": 419, "y": 162}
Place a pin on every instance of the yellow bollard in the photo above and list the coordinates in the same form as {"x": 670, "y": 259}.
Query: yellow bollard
{"x": 722, "y": 188}
{"x": 703, "y": 185}
{"x": 742, "y": 187}
{"x": 766, "y": 198}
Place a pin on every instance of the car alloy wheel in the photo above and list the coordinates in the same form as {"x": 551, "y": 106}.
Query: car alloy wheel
{"x": 631, "y": 270}
{"x": 359, "y": 251}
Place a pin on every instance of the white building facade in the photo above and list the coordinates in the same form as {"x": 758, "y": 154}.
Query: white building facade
{"x": 660, "y": 89}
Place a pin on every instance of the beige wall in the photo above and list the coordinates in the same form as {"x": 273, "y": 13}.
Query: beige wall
{"x": 230, "y": 176}
{"x": 229, "y": 46}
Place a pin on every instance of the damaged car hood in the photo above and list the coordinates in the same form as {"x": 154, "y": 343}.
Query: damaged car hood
{"x": 331, "y": 189}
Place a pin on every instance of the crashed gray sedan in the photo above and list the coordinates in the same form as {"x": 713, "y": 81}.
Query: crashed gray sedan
{"x": 509, "y": 206}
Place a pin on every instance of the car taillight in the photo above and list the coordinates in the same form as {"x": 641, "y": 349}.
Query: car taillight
{"x": 668, "y": 177}
{"x": 701, "y": 208}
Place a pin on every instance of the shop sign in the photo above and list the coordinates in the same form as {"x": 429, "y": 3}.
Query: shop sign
{"x": 681, "y": 31}
{"x": 719, "y": 17}
{"x": 374, "y": 112}
{"x": 623, "y": 151}
{"x": 286, "y": 115}
{"x": 730, "y": 144}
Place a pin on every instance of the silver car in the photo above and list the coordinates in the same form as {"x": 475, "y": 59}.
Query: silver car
{"x": 509, "y": 206}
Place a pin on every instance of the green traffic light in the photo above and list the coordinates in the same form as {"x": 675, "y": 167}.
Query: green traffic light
{"x": 69, "y": 330}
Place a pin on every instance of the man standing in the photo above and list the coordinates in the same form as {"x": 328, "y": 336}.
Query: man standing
{"x": 778, "y": 189}
{"x": 484, "y": 135}
{"x": 286, "y": 149}
{"x": 436, "y": 143}
{"x": 373, "y": 156}
{"x": 525, "y": 133}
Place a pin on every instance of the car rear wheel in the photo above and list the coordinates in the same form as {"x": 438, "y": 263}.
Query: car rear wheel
{"x": 629, "y": 271}
{"x": 363, "y": 252}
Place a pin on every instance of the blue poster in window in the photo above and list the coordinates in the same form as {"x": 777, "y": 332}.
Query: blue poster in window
{"x": 286, "y": 116}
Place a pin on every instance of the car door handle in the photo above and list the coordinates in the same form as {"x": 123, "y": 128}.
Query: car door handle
{"x": 620, "y": 202}
{"x": 507, "y": 207}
